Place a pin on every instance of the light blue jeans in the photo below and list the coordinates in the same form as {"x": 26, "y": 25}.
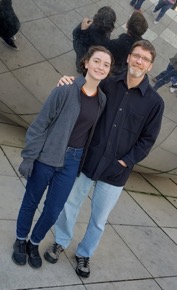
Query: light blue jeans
{"x": 104, "y": 199}
{"x": 163, "y": 6}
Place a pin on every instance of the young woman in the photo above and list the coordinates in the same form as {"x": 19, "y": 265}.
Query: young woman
{"x": 55, "y": 143}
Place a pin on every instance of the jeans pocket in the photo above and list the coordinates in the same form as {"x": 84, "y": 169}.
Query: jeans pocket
{"x": 77, "y": 155}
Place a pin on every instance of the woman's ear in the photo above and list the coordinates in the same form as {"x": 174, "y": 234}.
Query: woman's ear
{"x": 86, "y": 64}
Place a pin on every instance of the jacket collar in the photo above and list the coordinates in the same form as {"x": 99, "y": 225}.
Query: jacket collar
{"x": 142, "y": 86}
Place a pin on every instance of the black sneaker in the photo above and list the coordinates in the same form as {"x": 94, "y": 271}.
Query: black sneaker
{"x": 83, "y": 267}
{"x": 10, "y": 43}
{"x": 53, "y": 252}
{"x": 19, "y": 254}
{"x": 34, "y": 259}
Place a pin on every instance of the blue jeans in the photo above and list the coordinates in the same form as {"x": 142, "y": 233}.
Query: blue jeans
{"x": 59, "y": 181}
{"x": 137, "y": 4}
{"x": 104, "y": 199}
{"x": 164, "y": 6}
{"x": 170, "y": 74}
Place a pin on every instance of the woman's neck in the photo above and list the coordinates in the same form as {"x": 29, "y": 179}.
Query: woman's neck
{"x": 91, "y": 86}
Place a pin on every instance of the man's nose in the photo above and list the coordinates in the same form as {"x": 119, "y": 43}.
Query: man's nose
{"x": 140, "y": 60}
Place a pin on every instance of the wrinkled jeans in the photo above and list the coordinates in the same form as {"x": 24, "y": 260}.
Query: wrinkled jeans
{"x": 59, "y": 181}
{"x": 170, "y": 74}
{"x": 103, "y": 200}
{"x": 137, "y": 3}
{"x": 163, "y": 6}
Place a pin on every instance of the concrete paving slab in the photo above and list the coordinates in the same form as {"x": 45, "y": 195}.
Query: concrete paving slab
{"x": 163, "y": 160}
{"x": 172, "y": 233}
{"x": 172, "y": 200}
{"x": 163, "y": 48}
{"x": 77, "y": 287}
{"x": 4, "y": 120}
{"x": 128, "y": 212}
{"x": 3, "y": 68}
{"x": 167, "y": 283}
{"x": 167, "y": 127}
{"x": 15, "y": 136}
{"x": 112, "y": 254}
{"x": 11, "y": 196}
{"x": 133, "y": 285}
{"x": 24, "y": 277}
{"x": 9, "y": 84}
{"x": 87, "y": 10}
{"x": 142, "y": 169}
{"x": 13, "y": 154}
{"x": 137, "y": 183}
{"x": 150, "y": 35}
{"x": 160, "y": 64}
{"x": 5, "y": 168}
{"x": 61, "y": 64}
{"x": 39, "y": 79}
{"x": 165, "y": 186}
{"x": 51, "y": 43}
{"x": 27, "y": 54}
{"x": 156, "y": 251}
{"x": 67, "y": 22}
{"x": 52, "y": 7}
{"x": 169, "y": 36}
{"x": 77, "y": 3}
{"x": 158, "y": 208}
{"x": 171, "y": 142}
{"x": 28, "y": 11}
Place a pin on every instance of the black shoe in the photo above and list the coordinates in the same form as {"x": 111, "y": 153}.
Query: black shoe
{"x": 53, "y": 252}
{"x": 10, "y": 43}
{"x": 34, "y": 259}
{"x": 19, "y": 254}
{"x": 83, "y": 267}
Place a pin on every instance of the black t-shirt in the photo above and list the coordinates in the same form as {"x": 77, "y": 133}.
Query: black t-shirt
{"x": 85, "y": 121}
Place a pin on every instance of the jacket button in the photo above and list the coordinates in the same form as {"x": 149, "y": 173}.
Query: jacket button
{"x": 115, "y": 125}
{"x": 120, "y": 109}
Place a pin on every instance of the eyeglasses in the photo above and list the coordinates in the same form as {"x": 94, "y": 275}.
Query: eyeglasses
{"x": 138, "y": 56}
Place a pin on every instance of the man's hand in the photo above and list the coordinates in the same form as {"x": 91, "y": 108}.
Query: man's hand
{"x": 66, "y": 80}
{"x": 86, "y": 22}
{"x": 122, "y": 163}
{"x": 26, "y": 168}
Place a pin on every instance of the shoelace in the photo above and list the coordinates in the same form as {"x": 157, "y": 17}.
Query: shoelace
{"x": 83, "y": 262}
{"x": 57, "y": 249}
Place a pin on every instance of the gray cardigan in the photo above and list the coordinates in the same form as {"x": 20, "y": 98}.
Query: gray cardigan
{"x": 47, "y": 137}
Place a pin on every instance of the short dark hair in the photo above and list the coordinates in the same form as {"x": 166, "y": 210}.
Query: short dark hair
{"x": 137, "y": 25}
{"x": 145, "y": 45}
{"x": 104, "y": 19}
{"x": 89, "y": 54}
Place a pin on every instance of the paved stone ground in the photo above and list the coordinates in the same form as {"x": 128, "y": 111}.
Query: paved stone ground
{"x": 138, "y": 250}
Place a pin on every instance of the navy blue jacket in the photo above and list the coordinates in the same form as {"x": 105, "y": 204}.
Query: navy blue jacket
{"x": 127, "y": 130}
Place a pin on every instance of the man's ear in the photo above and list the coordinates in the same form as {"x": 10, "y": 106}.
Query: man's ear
{"x": 150, "y": 67}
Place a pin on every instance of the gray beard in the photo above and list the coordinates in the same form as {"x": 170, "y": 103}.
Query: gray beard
{"x": 136, "y": 74}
